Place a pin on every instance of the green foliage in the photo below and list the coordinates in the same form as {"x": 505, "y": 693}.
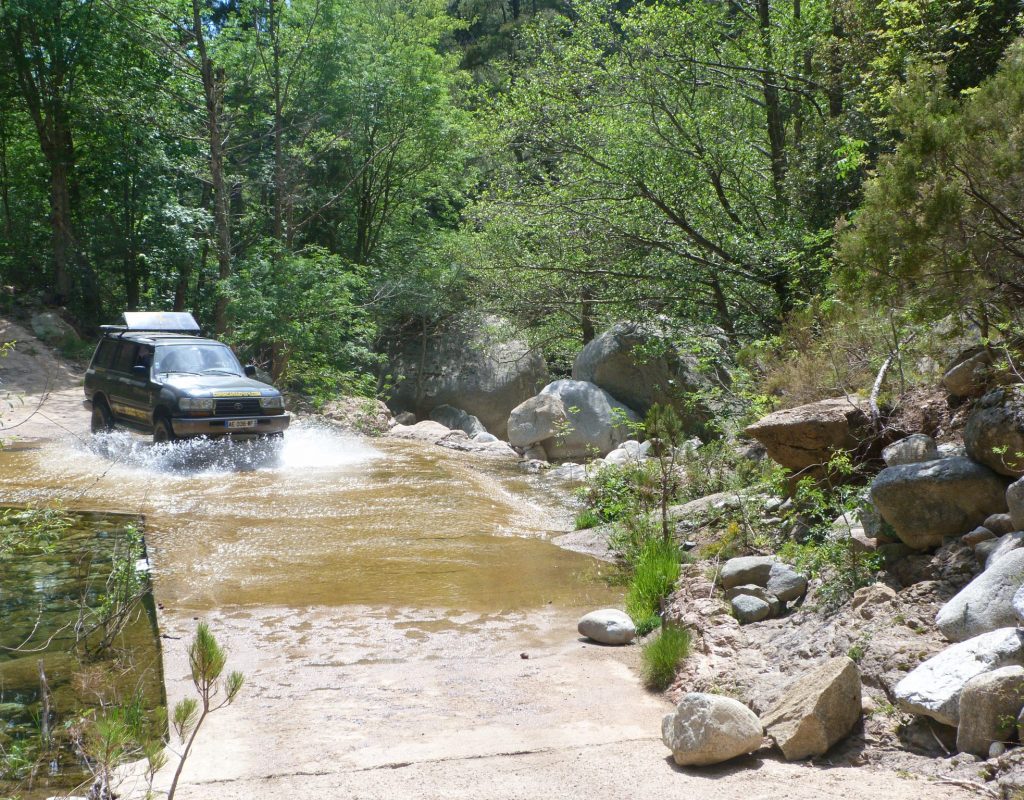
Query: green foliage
{"x": 207, "y": 661}
{"x": 126, "y": 585}
{"x": 304, "y": 314}
{"x": 587, "y": 518}
{"x": 939, "y": 226}
{"x": 615, "y": 492}
{"x": 655, "y": 573}
{"x": 662, "y": 656}
{"x": 33, "y": 528}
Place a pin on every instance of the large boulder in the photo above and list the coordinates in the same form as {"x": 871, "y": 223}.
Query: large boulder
{"x": 607, "y": 626}
{"x": 747, "y": 608}
{"x": 802, "y": 439}
{"x": 817, "y": 710}
{"x": 571, "y": 419}
{"x": 989, "y": 705}
{"x": 477, "y": 365}
{"x": 639, "y": 365}
{"x": 928, "y": 501}
{"x": 51, "y": 328}
{"x": 934, "y": 687}
{"x": 969, "y": 372}
{"x": 364, "y": 415}
{"x": 994, "y": 433}
{"x": 986, "y": 603}
{"x": 709, "y": 729}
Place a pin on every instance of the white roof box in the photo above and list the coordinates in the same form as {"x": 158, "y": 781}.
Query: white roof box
{"x": 163, "y": 321}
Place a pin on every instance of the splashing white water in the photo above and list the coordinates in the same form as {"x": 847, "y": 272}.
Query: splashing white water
{"x": 306, "y": 446}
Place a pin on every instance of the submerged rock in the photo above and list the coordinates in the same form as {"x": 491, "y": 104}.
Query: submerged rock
{"x": 709, "y": 729}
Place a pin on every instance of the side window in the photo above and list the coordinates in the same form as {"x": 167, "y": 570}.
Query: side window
{"x": 125, "y": 357}
{"x": 105, "y": 353}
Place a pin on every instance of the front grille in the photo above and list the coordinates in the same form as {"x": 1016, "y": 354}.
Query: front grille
{"x": 238, "y": 407}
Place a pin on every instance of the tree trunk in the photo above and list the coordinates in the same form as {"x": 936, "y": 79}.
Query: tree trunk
{"x": 275, "y": 43}
{"x": 221, "y": 194}
{"x": 587, "y": 316}
{"x": 772, "y": 106}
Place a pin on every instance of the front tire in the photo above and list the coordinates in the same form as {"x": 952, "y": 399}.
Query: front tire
{"x": 102, "y": 420}
{"x": 162, "y": 431}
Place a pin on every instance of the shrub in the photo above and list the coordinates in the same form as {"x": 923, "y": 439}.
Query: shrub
{"x": 615, "y": 492}
{"x": 661, "y": 657}
{"x": 587, "y": 518}
{"x": 654, "y": 576}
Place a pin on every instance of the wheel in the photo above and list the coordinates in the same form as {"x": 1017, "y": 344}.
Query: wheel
{"x": 162, "y": 431}
{"x": 102, "y": 420}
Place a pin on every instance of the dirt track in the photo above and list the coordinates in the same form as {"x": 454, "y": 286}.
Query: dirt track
{"x": 353, "y": 701}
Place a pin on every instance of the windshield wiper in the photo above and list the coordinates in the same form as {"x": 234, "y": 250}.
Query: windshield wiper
{"x": 178, "y": 372}
{"x": 220, "y": 372}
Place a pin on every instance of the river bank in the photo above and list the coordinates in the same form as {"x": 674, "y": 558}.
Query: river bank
{"x": 380, "y": 602}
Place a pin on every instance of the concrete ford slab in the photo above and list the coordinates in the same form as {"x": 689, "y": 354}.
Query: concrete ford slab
{"x": 155, "y": 375}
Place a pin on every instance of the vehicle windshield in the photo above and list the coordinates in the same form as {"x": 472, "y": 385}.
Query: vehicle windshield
{"x": 196, "y": 359}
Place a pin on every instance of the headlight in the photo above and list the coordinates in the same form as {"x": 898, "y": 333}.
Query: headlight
{"x": 269, "y": 403}
{"x": 196, "y": 404}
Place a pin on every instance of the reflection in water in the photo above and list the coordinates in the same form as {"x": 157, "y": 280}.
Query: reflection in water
{"x": 322, "y": 519}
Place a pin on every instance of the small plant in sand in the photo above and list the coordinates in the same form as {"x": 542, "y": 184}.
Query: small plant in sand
{"x": 207, "y": 660}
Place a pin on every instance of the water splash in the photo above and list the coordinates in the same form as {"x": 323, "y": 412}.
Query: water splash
{"x": 306, "y": 446}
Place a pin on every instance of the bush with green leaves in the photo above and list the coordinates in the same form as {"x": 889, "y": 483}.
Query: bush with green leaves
{"x": 305, "y": 316}
{"x": 615, "y": 492}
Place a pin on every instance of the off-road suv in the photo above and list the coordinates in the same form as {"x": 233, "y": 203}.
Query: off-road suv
{"x": 155, "y": 375}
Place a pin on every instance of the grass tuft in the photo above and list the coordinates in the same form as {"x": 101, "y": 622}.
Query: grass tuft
{"x": 654, "y": 576}
{"x": 662, "y": 656}
{"x": 587, "y": 518}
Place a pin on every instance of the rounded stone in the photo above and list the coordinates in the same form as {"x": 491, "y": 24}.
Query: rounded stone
{"x": 607, "y": 626}
{"x": 709, "y": 729}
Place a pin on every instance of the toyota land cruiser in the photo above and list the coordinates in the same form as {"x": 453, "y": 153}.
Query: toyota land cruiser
{"x": 156, "y": 375}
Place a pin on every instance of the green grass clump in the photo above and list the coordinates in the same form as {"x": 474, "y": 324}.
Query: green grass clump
{"x": 661, "y": 657}
{"x": 654, "y": 576}
{"x": 587, "y": 518}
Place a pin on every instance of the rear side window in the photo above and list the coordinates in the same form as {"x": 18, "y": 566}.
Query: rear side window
{"x": 125, "y": 357}
{"x": 105, "y": 353}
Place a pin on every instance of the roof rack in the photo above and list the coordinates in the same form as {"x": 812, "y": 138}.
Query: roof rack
{"x": 155, "y": 322}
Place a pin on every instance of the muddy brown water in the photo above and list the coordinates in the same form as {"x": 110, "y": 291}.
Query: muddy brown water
{"x": 324, "y": 520}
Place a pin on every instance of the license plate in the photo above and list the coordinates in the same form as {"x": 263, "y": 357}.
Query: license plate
{"x": 241, "y": 423}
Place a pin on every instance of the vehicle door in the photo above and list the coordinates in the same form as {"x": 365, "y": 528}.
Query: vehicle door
{"x": 128, "y": 393}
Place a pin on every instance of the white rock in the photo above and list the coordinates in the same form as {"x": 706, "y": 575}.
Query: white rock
{"x": 911, "y": 450}
{"x": 569, "y": 472}
{"x": 709, "y": 729}
{"x": 934, "y": 687}
{"x": 607, "y": 626}
{"x": 1006, "y": 544}
{"x": 986, "y": 603}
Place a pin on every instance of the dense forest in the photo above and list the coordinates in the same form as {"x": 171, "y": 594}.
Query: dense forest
{"x": 313, "y": 177}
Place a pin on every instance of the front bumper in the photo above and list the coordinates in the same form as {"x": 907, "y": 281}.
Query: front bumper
{"x": 218, "y": 426}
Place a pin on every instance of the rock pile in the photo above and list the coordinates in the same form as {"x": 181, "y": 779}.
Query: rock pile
{"x": 758, "y": 587}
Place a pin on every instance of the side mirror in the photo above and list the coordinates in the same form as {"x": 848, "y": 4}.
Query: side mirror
{"x": 140, "y": 371}
{"x": 250, "y": 370}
